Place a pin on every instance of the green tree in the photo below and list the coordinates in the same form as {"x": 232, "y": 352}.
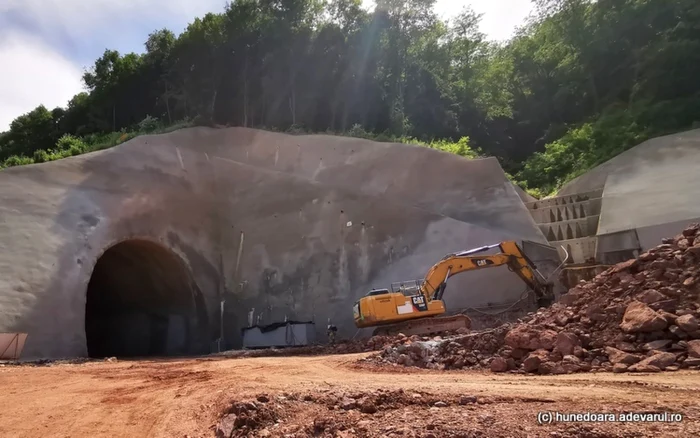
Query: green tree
{"x": 29, "y": 132}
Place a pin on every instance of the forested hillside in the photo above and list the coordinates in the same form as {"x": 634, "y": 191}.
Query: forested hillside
{"x": 578, "y": 84}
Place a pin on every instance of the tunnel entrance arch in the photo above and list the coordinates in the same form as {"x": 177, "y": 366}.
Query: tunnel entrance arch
{"x": 143, "y": 301}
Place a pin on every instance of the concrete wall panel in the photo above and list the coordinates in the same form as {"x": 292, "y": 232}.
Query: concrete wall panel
{"x": 650, "y": 237}
{"x": 658, "y": 192}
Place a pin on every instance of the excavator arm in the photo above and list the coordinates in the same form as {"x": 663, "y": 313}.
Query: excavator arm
{"x": 511, "y": 255}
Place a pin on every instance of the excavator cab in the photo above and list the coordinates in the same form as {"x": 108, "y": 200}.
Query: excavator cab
{"x": 407, "y": 288}
{"x": 404, "y": 298}
{"x": 383, "y": 307}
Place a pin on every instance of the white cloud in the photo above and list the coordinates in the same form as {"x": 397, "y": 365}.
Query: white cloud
{"x": 500, "y": 17}
{"x": 44, "y": 44}
{"x": 82, "y": 18}
{"x": 33, "y": 74}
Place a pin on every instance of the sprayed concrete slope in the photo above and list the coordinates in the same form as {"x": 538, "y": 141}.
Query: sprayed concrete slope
{"x": 649, "y": 192}
{"x": 524, "y": 196}
{"x": 293, "y": 226}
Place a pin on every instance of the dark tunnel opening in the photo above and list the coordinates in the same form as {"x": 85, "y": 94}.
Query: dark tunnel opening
{"x": 142, "y": 301}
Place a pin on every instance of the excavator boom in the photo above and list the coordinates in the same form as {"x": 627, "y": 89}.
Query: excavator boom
{"x": 415, "y": 307}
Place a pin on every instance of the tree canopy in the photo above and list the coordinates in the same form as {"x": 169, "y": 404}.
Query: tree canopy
{"x": 581, "y": 81}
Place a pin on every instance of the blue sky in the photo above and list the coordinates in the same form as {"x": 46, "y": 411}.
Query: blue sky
{"x": 45, "y": 45}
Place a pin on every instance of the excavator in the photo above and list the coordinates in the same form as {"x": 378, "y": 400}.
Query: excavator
{"x": 414, "y": 307}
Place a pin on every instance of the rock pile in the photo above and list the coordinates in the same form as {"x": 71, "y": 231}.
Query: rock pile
{"x": 640, "y": 315}
{"x": 242, "y": 418}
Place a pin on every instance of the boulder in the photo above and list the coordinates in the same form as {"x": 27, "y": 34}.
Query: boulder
{"x": 348, "y": 403}
{"x": 566, "y": 342}
{"x": 559, "y": 368}
{"x": 692, "y": 362}
{"x": 527, "y": 338}
{"x": 640, "y": 318}
{"x": 368, "y": 407}
{"x": 671, "y": 292}
{"x": 499, "y": 365}
{"x": 568, "y": 299}
{"x": 571, "y": 359}
{"x": 667, "y": 305}
{"x": 668, "y": 316}
{"x": 467, "y": 399}
{"x": 596, "y": 312}
{"x": 619, "y": 368}
{"x": 690, "y": 281}
{"x": 629, "y": 264}
{"x": 626, "y": 346}
{"x": 546, "y": 368}
{"x": 660, "y": 361}
{"x": 651, "y": 296}
{"x": 518, "y": 353}
{"x": 224, "y": 427}
{"x": 533, "y": 360}
{"x": 616, "y": 356}
{"x": 695, "y": 250}
{"x": 657, "y": 345}
{"x": 687, "y": 323}
{"x": 644, "y": 368}
{"x": 676, "y": 331}
{"x": 555, "y": 356}
{"x": 694, "y": 348}
{"x": 691, "y": 230}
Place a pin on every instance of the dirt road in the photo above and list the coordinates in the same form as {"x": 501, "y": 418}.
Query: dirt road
{"x": 328, "y": 396}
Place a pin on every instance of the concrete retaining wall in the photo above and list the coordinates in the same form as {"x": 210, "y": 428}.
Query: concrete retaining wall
{"x": 648, "y": 192}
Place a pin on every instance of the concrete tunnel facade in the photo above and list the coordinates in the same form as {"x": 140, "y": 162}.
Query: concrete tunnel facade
{"x": 130, "y": 251}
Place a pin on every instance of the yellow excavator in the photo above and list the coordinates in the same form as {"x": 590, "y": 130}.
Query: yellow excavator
{"x": 414, "y": 307}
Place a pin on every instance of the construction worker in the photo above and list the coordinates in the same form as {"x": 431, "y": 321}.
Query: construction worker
{"x": 331, "y": 331}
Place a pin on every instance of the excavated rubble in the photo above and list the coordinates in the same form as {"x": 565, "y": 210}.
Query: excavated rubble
{"x": 641, "y": 315}
{"x": 344, "y": 413}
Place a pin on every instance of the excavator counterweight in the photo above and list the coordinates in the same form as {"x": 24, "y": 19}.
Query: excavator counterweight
{"x": 415, "y": 307}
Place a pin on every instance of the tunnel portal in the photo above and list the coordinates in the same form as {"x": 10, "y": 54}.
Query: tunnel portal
{"x": 142, "y": 301}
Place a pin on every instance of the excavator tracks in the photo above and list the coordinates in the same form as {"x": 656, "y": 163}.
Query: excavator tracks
{"x": 425, "y": 326}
